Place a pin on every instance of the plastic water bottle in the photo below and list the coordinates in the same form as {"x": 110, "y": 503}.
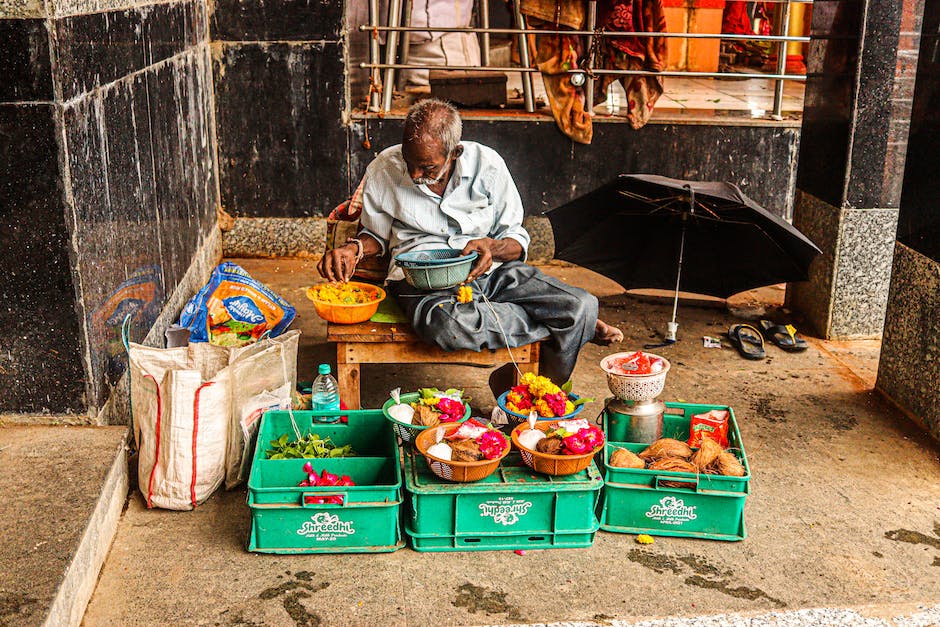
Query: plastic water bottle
{"x": 325, "y": 394}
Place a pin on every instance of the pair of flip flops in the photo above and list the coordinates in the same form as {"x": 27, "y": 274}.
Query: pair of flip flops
{"x": 749, "y": 340}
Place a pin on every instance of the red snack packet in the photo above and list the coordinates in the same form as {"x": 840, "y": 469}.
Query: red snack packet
{"x": 712, "y": 425}
{"x": 637, "y": 363}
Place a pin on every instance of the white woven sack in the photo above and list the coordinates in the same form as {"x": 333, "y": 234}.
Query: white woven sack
{"x": 181, "y": 407}
{"x": 258, "y": 372}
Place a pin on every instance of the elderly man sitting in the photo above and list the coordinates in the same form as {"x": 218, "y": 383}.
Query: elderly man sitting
{"x": 434, "y": 191}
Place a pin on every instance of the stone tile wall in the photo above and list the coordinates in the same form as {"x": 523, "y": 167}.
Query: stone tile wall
{"x": 281, "y": 94}
{"x": 126, "y": 193}
{"x": 861, "y": 70}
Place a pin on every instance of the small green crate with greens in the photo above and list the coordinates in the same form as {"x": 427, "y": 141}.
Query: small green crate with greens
{"x": 334, "y": 489}
{"x": 676, "y": 498}
{"x": 513, "y": 508}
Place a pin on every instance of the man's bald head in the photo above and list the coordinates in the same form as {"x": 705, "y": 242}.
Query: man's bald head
{"x": 435, "y": 122}
{"x": 431, "y": 141}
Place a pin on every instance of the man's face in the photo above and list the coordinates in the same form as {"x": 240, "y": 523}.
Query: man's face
{"x": 427, "y": 162}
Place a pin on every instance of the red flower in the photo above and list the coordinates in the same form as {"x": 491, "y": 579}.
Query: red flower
{"x": 575, "y": 444}
{"x": 592, "y": 436}
{"x": 452, "y": 410}
{"x": 492, "y": 444}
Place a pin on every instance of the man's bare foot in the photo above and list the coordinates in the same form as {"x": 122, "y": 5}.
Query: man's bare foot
{"x": 605, "y": 334}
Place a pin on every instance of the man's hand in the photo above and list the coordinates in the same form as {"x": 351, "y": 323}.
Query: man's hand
{"x": 338, "y": 264}
{"x": 491, "y": 250}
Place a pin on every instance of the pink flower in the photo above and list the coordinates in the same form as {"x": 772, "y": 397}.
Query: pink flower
{"x": 452, "y": 410}
{"x": 556, "y": 402}
{"x": 575, "y": 445}
{"x": 492, "y": 444}
{"x": 592, "y": 436}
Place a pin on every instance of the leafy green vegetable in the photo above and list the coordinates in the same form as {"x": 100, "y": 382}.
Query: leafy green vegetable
{"x": 582, "y": 401}
{"x": 568, "y": 386}
{"x": 309, "y": 447}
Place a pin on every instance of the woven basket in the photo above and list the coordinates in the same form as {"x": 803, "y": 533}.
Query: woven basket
{"x": 435, "y": 269}
{"x": 634, "y": 387}
{"x": 515, "y": 418}
{"x": 451, "y": 470}
{"x": 551, "y": 464}
{"x": 408, "y": 432}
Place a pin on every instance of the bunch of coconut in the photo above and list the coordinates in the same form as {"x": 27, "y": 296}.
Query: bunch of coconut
{"x": 669, "y": 455}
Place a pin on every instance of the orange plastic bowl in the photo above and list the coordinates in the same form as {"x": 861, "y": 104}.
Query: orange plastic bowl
{"x": 348, "y": 314}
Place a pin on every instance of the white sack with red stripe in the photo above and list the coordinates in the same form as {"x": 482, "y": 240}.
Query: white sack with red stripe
{"x": 182, "y": 401}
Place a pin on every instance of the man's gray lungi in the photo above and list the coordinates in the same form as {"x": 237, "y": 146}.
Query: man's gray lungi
{"x": 531, "y": 306}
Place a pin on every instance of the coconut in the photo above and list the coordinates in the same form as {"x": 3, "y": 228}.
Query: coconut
{"x": 402, "y": 413}
{"x": 665, "y": 448}
{"x": 672, "y": 464}
{"x": 466, "y": 451}
{"x": 530, "y": 438}
{"x": 426, "y": 416}
{"x": 622, "y": 458}
{"x": 727, "y": 464}
{"x": 549, "y": 446}
{"x": 705, "y": 456}
{"x": 440, "y": 451}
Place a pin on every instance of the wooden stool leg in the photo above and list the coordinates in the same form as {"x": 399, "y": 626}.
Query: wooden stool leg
{"x": 347, "y": 376}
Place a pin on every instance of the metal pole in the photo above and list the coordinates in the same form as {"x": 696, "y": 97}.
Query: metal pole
{"x": 781, "y": 61}
{"x": 589, "y": 84}
{"x": 374, "y": 55}
{"x": 527, "y": 89}
{"x": 391, "y": 51}
{"x": 788, "y": 77}
{"x": 406, "y": 41}
{"x": 485, "y": 23}
{"x": 538, "y": 31}
{"x": 673, "y": 326}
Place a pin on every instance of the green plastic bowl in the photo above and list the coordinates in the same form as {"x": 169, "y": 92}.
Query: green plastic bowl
{"x": 408, "y": 432}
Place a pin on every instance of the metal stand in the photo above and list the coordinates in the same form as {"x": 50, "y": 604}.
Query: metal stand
{"x": 589, "y": 84}
{"x": 781, "y": 60}
{"x": 484, "y": 6}
{"x": 391, "y": 51}
{"x": 527, "y": 89}
{"x": 374, "y": 55}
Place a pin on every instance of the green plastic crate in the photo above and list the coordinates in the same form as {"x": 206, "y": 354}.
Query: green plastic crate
{"x": 282, "y": 521}
{"x": 514, "y": 508}
{"x": 635, "y": 501}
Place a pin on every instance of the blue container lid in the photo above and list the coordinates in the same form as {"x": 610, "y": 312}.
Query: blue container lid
{"x": 324, "y": 369}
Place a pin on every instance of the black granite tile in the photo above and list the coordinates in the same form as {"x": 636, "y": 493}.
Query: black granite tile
{"x": 282, "y": 144}
{"x": 919, "y": 217}
{"x": 143, "y": 192}
{"x": 282, "y": 20}
{"x": 40, "y": 361}
{"x": 831, "y": 61}
{"x": 98, "y": 48}
{"x": 24, "y": 61}
{"x": 757, "y": 158}
{"x": 871, "y": 183}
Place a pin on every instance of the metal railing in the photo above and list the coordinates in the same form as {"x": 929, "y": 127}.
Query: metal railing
{"x": 384, "y": 87}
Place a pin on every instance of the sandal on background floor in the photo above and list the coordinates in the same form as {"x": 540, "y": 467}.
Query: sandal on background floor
{"x": 783, "y": 336}
{"x": 747, "y": 340}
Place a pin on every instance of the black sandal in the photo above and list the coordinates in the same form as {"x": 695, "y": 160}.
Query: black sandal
{"x": 783, "y": 336}
{"x": 747, "y": 340}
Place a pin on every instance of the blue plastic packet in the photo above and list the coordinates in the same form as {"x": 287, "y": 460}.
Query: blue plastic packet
{"x": 234, "y": 309}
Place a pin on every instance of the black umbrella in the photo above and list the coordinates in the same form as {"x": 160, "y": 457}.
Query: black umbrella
{"x": 647, "y": 231}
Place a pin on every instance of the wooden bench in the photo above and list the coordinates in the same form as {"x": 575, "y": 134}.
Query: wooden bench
{"x": 378, "y": 343}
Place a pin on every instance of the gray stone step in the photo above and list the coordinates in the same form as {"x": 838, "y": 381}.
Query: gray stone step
{"x": 62, "y": 491}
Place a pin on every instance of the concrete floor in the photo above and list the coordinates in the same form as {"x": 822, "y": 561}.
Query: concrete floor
{"x": 844, "y": 511}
